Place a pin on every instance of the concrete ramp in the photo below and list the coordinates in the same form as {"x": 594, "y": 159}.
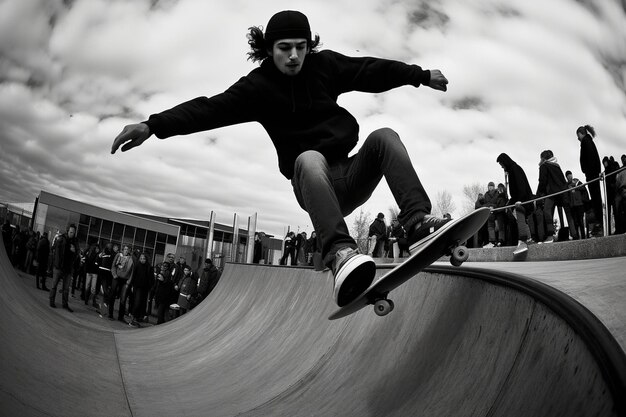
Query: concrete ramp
{"x": 261, "y": 345}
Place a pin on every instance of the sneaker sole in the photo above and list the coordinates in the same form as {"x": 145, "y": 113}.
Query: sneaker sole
{"x": 360, "y": 273}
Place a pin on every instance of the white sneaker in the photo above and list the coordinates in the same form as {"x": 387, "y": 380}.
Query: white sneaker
{"x": 549, "y": 239}
{"x": 488, "y": 246}
{"x": 521, "y": 248}
{"x": 353, "y": 272}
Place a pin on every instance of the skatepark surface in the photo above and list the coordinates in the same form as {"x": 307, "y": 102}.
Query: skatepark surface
{"x": 488, "y": 339}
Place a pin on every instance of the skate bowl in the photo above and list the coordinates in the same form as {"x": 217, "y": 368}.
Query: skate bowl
{"x": 461, "y": 341}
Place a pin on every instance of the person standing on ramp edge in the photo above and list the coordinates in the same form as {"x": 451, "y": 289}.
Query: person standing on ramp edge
{"x": 293, "y": 95}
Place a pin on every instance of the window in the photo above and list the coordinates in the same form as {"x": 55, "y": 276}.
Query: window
{"x": 118, "y": 232}
{"x": 140, "y": 237}
{"x": 150, "y": 239}
{"x": 129, "y": 236}
{"x": 107, "y": 228}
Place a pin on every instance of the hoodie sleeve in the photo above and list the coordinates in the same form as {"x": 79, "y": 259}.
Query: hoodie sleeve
{"x": 374, "y": 75}
{"x": 233, "y": 106}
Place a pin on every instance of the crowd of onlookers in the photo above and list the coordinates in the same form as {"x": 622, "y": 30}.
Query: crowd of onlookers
{"x": 521, "y": 216}
{"x": 107, "y": 276}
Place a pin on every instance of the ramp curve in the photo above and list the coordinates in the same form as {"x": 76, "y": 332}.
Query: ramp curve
{"x": 458, "y": 343}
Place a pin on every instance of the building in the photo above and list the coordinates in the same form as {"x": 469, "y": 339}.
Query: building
{"x": 154, "y": 235}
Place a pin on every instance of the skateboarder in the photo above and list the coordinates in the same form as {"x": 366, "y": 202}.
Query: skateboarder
{"x": 293, "y": 95}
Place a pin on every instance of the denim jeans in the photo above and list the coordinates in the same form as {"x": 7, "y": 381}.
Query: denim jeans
{"x": 330, "y": 190}
{"x": 58, "y": 275}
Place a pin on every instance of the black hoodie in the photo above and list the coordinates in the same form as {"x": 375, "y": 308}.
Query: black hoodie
{"x": 519, "y": 188}
{"x": 589, "y": 158}
{"x": 298, "y": 112}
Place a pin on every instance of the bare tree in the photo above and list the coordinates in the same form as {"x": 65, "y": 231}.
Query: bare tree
{"x": 443, "y": 204}
{"x": 360, "y": 230}
{"x": 393, "y": 211}
{"x": 470, "y": 192}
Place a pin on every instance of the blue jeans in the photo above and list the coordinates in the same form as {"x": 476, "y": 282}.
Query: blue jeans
{"x": 331, "y": 189}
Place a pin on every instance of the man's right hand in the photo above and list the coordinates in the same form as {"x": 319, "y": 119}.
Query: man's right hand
{"x": 135, "y": 135}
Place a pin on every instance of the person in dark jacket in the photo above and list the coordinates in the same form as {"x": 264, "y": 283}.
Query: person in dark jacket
{"x": 209, "y": 277}
{"x": 162, "y": 291}
{"x": 7, "y": 237}
{"x": 591, "y": 167}
{"x": 188, "y": 289}
{"x": 521, "y": 193}
{"x": 64, "y": 254}
{"x": 289, "y": 250}
{"x": 551, "y": 180}
{"x": 143, "y": 280}
{"x": 42, "y": 255}
{"x": 491, "y": 201}
{"x": 122, "y": 271}
{"x": 610, "y": 166}
{"x": 378, "y": 236}
{"x": 105, "y": 278}
{"x": 92, "y": 268}
{"x": 293, "y": 95}
{"x": 578, "y": 196}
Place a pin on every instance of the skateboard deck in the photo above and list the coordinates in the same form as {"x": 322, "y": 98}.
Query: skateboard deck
{"x": 446, "y": 241}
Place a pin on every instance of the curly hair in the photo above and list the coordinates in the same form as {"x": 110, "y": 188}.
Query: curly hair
{"x": 259, "y": 48}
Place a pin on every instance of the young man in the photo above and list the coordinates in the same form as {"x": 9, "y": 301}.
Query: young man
{"x": 65, "y": 251}
{"x": 520, "y": 192}
{"x": 293, "y": 95}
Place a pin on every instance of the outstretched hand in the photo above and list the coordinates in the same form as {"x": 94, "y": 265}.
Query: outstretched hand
{"x": 132, "y": 136}
{"x": 438, "y": 81}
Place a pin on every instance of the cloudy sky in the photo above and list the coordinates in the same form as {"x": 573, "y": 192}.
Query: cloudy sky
{"x": 523, "y": 76}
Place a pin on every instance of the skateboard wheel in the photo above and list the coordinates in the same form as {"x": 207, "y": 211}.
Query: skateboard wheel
{"x": 383, "y": 307}
{"x": 459, "y": 255}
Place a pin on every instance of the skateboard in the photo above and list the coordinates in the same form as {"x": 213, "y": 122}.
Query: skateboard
{"x": 446, "y": 241}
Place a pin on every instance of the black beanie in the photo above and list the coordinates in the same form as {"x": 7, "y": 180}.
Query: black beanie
{"x": 288, "y": 24}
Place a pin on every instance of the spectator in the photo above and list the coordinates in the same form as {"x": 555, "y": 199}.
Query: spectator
{"x": 79, "y": 275}
{"x": 188, "y": 290}
{"x": 290, "y": 249}
{"x": 398, "y": 235}
{"x": 491, "y": 200}
{"x": 610, "y": 166}
{"x": 7, "y": 237}
{"x": 209, "y": 277}
{"x": 92, "y": 268}
{"x": 590, "y": 165}
{"x": 501, "y": 218}
{"x": 551, "y": 180}
{"x": 520, "y": 193}
{"x": 64, "y": 254}
{"x": 258, "y": 247}
{"x": 293, "y": 94}
{"x": 312, "y": 246}
{"x": 31, "y": 249}
{"x": 577, "y": 197}
{"x": 620, "y": 199}
{"x": 378, "y": 236}
{"x": 122, "y": 272}
{"x": 143, "y": 280}
{"x": 162, "y": 290}
{"x": 18, "y": 244}
{"x": 300, "y": 248}
{"x": 43, "y": 252}
{"x": 105, "y": 278}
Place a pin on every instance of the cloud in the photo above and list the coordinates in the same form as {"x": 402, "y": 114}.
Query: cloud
{"x": 522, "y": 78}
